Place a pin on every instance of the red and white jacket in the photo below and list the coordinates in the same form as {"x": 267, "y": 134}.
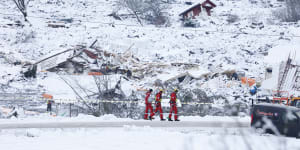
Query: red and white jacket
{"x": 147, "y": 97}
{"x": 173, "y": 98}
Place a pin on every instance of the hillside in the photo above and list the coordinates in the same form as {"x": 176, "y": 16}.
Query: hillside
{"x": 237, "y": 36}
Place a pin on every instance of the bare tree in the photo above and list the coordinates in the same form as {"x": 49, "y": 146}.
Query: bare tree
{"x": 289, "y": 13}
{"x": 154, "y": 11}
{"x": 104, "y": 92}
{"x": 22, "y": 6}
{"x": 77, "y": 94}
{"x": 150, "y": 10}
{"x": 136, "y": 7}
{"x": 293, "y": 10}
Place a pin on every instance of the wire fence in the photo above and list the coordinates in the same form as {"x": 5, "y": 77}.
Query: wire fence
{"x": 34, "y": 105}
{"x": 123, "y": 109}
{"x": 74, "y": 101}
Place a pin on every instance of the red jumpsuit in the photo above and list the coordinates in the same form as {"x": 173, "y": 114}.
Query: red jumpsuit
{"x": 148, "y": 106}
{"x": 158, "y": 104}
{"x": 173, "y": 106}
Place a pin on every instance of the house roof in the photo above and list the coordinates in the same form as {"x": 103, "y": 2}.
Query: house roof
{"x": 52, "y": 60}
{"x": 197, "y": 5}
{"x": 206, "y": 2}
{"x": 202, "y": 2}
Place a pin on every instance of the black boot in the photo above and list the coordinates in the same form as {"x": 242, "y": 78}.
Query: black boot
{"x": 169, "y": 119}
{"x": 151, "y": 118}
{"x": 177, "y": 120}
{"x": 162, "y": 119}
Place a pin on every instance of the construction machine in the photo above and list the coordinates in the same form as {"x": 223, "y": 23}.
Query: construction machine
{"x": 295, "y": 101}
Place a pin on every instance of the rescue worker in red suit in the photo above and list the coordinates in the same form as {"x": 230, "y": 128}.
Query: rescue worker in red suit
{"x": 173, "y": 106}
{"x": 148, "y": 106}
{"x": 158, "y": 107}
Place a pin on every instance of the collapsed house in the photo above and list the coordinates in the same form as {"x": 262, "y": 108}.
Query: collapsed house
{"x": 83, "y": 60}
{"x": 71, "y": 61}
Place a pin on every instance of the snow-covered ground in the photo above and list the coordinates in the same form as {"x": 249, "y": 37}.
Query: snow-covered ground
{"x": 136, "y": 138}
{"x": 216, "y": 45}
{"x": 146, "y": 138}
{"x": 112, "y": 118}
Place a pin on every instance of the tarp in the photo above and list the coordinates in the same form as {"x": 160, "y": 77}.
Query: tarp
{"x": 95, "y": 73}
{"x": 47, "y": 96}
{"x": 248, "y": 81}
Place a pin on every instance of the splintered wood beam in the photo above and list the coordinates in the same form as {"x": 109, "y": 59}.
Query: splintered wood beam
{"x": 93, "y": 43}
{"x": 52, "y": 56}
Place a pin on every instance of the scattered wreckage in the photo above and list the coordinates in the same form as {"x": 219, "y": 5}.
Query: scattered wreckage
{"x": 81, "y": 60}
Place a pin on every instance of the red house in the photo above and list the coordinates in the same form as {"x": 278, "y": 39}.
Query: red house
{"x": 204, "y": 5}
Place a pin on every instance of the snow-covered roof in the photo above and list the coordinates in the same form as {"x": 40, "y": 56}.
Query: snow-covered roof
{"x": 209, "y": 4}
{"x": 202, "y": 1}
{"x": 190, "y": 8}
{"x": 282, "y": 52}
{"x": 54, "y": 61}
{"x": 277, "y": 55}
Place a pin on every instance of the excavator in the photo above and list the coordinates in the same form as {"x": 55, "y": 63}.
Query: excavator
{"x": 295, "y": 101}
{"x": 284, "y": 98}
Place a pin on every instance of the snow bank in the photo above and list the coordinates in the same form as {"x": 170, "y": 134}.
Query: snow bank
{"x": 146, "y": 138}
{"x": 47, "y": 118}
{"x": 57, "y": 87}
{"x": 110, "y": 117}
{"x": 215, "y": 118}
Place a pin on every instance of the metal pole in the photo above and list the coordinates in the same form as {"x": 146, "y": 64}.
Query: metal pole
{"x": 56, "y": 107}
{"x": 70, "y": 109}
{"x": 77, "y": 109}
{"x": 99, "y": 106}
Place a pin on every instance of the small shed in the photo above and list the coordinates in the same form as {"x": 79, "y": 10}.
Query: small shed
{"x": 204, "y": 5}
